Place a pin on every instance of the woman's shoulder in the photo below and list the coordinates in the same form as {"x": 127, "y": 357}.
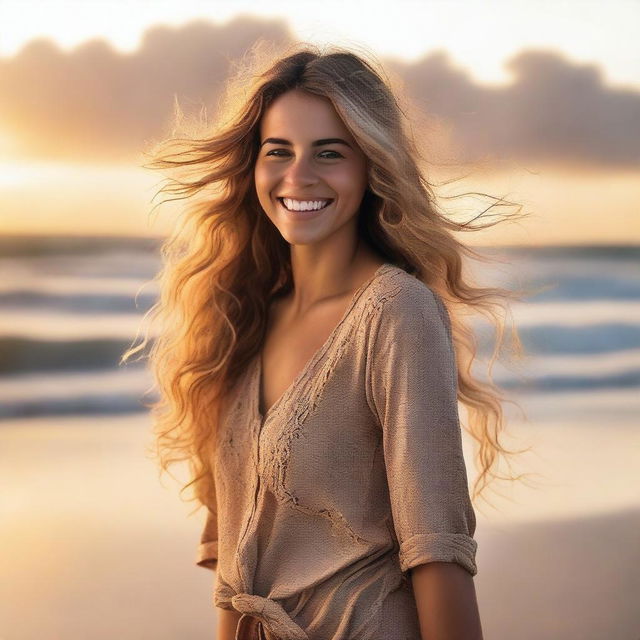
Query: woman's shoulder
{"x": 399, "y": 293}
{"x": 407, "y": 314}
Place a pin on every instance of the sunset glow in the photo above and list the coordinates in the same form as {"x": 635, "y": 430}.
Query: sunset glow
{"x": 73, "y": 166}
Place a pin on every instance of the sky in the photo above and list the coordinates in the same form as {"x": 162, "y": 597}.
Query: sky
{"x": 544, "y": 95}
{"x": 480, "y": 35}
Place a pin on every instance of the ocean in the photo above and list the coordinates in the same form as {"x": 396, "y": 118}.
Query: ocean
{"x": 71, "y": 306}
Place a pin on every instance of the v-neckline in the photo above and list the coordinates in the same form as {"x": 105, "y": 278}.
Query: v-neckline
{"x": 258, "y": 369}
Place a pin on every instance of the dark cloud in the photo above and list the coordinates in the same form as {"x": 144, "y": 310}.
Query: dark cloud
{"x": 95, "y": 104}
{"x": 553, "y": 111}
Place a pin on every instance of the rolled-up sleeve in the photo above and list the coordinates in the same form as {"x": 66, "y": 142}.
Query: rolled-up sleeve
{"x": 412, "y": 380}
{"x": 207, "y": 553}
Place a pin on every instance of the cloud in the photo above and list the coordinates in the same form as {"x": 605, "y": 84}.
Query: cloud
{"x": 553, "y": 111}
{"x": 95, "y": 104}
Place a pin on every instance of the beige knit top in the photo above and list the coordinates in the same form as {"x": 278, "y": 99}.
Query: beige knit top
{"x": 354, "y": 476}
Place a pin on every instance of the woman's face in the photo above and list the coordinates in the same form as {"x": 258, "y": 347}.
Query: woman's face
{"x": 308, "y": 155}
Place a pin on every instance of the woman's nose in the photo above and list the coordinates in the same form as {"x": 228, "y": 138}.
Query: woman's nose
{"x": 300, "y": 170}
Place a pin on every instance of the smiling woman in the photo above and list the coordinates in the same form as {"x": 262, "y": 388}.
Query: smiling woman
{"x": 322, "y": 179}
{"x": 310, "y": 361}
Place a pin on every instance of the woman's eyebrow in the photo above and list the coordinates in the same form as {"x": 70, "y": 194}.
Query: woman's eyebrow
{"x": 316, "y": 143}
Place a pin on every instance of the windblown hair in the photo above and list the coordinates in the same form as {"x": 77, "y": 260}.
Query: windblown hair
{"x": 225, "y": 261}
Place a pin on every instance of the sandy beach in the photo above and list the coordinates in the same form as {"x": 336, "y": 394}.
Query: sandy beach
{"x": 94, "y": 546}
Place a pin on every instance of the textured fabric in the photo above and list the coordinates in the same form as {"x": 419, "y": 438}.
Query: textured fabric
{"x": 354, "y": 476}
{"x": 250, "y": 628}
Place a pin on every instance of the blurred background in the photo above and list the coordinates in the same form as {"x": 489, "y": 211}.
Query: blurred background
{"x": 534, "y": 101}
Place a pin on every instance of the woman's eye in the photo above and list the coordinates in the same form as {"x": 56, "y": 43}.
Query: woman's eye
{"x": 278, "y": 151}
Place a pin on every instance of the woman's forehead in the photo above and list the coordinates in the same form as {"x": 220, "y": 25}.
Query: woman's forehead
{"x": 302, "y": 119}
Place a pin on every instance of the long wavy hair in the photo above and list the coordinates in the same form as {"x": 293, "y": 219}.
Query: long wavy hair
{"x": 225, "y": 261}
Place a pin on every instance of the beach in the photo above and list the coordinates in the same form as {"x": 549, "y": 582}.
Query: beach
{"x": 96, "y": 546}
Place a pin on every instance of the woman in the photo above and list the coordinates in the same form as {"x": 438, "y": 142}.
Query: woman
{"x": 310, "y": 361}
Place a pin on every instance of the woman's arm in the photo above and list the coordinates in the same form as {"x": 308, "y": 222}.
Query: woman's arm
{"x": 227, "y": 623}
{"x": 446, "y": 599}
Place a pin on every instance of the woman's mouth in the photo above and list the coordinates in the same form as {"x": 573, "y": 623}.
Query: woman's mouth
{"x": 306, "y": 214}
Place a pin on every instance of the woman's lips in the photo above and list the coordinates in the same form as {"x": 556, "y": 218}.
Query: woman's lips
{"x": 304, "y": 215}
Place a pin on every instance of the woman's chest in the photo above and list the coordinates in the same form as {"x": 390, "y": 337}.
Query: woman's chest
{"x": 290, "y": 345}
{"x": 318, "y": 450}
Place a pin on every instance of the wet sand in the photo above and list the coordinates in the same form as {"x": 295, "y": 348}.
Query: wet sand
{"x": 94, "y": 546}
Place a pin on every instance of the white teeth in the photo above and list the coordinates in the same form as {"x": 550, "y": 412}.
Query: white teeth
{"x": 296, "y": 205}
